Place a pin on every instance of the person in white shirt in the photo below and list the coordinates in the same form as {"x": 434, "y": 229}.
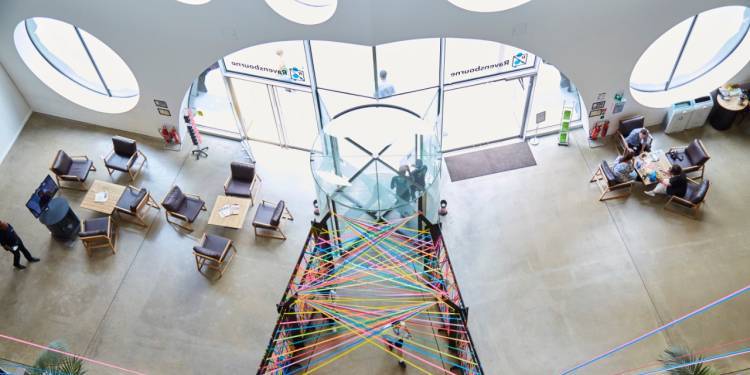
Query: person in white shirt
{"x": 385, "y": 88}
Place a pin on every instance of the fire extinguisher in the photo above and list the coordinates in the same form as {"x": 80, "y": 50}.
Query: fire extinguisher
{"x": 175, "y": 136}
{"x": 594, "y": 134}
{"x": 165, "y": 134}
{"x": 605, "y": 127}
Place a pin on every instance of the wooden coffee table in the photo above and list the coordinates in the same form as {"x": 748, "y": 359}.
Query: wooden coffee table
{"x": 231, "y": 221}
{"x": 107, "y": 207}
{"x": 661, "y": 166}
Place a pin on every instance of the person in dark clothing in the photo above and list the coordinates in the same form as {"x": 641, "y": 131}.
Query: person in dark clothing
{"x": 10, "y": 241}
{"x": 675, "y": 185}
{"x": 418, "y": 175}
{"x": 401, "y": 185}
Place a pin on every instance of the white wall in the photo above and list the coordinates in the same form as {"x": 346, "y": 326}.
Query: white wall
{"x": 167, "y": 43}
{"x": 14, "y": 111}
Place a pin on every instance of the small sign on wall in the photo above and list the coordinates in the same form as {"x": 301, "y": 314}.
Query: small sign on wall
{"x": 541, "y": 116}
{"x": 164, "y": 112}
{"x": 161, "y": 103}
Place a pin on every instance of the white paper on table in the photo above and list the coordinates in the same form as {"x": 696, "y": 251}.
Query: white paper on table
{"x": 101, "y": 196}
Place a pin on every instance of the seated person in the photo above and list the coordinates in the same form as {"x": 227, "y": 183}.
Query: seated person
{"x": 623, "y": 167}
{"x": 639, "y": 141}
{"x": 675, "y": 185}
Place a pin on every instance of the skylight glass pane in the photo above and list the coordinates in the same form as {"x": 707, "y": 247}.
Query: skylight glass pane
{"x": 715, "y": 35}
{"x": 118, "y": 77}
{"x": 59, "y": 44}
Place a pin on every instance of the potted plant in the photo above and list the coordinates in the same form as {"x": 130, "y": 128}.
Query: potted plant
{"x": 679, "y": 355}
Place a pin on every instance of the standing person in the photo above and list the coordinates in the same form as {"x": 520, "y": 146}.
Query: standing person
{"x": 395, "y": 335}
{"x": 401, "y": 185}
{"x": 675, "y": 185}
{"x": 11, "y": 242}
{"x": 639, "y": 141}
{"x": 385, "y": 88}
{"x": 418, "y": 175}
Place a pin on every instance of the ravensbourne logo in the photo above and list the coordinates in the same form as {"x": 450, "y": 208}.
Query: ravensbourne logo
{"x": 519, "y": 59}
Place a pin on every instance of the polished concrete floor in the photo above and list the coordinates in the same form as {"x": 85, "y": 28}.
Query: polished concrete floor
{"x": 552, "y": 276}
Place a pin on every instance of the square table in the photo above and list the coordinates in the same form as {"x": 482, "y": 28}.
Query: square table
{"x": 231, "y": 221}
{"x": 107, "y": 207}
{"x": 648, "y": 165}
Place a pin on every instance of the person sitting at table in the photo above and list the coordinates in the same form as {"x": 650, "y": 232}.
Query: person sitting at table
{"x": 675, "y": 185}
{"x": 639, "y": 141}
{"x": 623, "y": 167}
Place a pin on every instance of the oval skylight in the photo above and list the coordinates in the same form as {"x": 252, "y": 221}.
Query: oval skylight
{"x": 693, "y": 58}
{"x": 487, "y": 5}
{"x": 306, "y": 12}
{"x": 76, "y": 65}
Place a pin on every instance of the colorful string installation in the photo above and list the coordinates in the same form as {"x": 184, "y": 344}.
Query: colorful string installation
{"x": 351, "y": 287}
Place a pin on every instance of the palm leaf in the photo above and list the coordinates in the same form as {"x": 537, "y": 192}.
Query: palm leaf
{"x": 678, "y": 355}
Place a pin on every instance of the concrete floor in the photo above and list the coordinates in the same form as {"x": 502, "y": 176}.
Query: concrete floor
{"x": 552, "y": 276}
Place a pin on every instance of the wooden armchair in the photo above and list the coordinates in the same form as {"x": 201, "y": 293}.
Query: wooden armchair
{"x": 71, "y": 168}
{"x": 268, "y": 218}
{"x": 99, "y": 233}
{"x": 694, "y": 198}
{"x": 692, "y": 158}
{"x": 183, "y": 206}
{"x": 242, "y": 181}
{"x": 123, "y": 157}
{"x": 133, "y": 201}
{"x": 214, "y": 252}
{"x": 610, "y": 187}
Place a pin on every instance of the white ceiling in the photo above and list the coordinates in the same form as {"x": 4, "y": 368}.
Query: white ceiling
{"x": 167, "y": 43}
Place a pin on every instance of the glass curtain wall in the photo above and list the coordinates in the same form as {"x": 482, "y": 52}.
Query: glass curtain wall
{"x": 475, "y": 92}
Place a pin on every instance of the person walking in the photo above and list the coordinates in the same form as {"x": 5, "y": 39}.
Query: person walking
{"x": 10, "y": 241}
{"x": 395, "y": 335}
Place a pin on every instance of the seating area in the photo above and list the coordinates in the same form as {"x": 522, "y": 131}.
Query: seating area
{"x": 652, "y": 168}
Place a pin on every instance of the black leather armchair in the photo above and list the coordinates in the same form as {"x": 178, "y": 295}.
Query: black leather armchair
{"x": 71, "y": 168}
{"x": 124, "y": 156}
{"x": 268, "y": 218}
{"x": 98, "y": 233}
{"x": 133, "y": 201}
{"x": 691, "y": 158}
{"x": 214, "y": 252}
{"x": 608, "y": 184}
{"x": 695, "y": 196}
{"x": 242, "y": 181}
{"x": 185, "y": 207}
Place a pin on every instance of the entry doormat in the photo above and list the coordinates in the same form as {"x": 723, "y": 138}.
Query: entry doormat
{"x": 489, "y": 161}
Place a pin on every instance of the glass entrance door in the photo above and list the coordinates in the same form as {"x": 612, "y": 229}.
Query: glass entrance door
{"x": 484, "y": 113}
{"x": 273, "y": 114}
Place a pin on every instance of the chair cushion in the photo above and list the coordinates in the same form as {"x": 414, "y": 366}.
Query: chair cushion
{"x": 238, "y": 188}
{"x": 124, "y": 146}
{"x": 118, "y": 162}
{"x": 627, "y": 125}
{"x": 81, "y": 169}
{"x": 680, "y": 158}
{"x": 131, "y": 198}
{"x": 263, "y": 215}
{"x": 213, "y": 246}
{"x": 276, "y": 217}
{"x": 243, "y": 171}
{"x": 191, "y": 208}
{"x": 95, "y": 227}
{"x": 695, "y": 153}
{"x": 608, "y": 174}
{"x": 174, "y": 199}
{"x": 62, "y": 163}
{"x": 696, "y": 193}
